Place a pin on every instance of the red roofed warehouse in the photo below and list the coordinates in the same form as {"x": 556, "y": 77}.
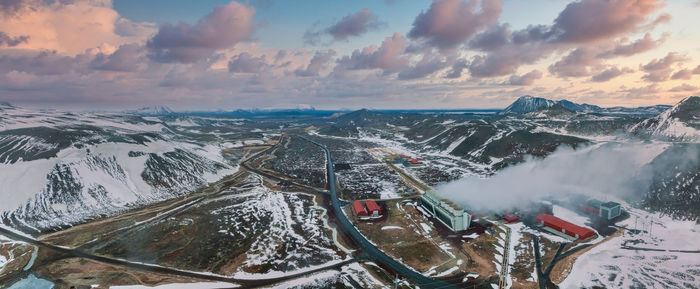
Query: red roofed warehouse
{"x": 374, "y": 209}
{"x": 565, "y": 227}
{"x": 510, "y": 218}
{"x": 359, "y": 209}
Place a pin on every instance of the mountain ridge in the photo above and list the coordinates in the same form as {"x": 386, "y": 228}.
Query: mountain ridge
{"x": 680, "y": 122}
{"x": 528, "y": 103}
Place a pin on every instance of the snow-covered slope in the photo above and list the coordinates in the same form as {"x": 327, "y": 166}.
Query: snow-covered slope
{"x": 60, "y": 168}
{"x": 680, "y": 122}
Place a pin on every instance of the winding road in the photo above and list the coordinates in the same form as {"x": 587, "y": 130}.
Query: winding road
{"x": 167, "y": 270}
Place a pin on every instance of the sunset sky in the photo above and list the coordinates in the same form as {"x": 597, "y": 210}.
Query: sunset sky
{"x": 402, "y": 54}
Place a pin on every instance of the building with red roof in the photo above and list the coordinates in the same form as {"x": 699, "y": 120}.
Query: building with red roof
{"x": 564, "y": 227}
{"x": 359, "y": 209}
{"x": 373, "y": 208}
{"x": 511, "y": 218}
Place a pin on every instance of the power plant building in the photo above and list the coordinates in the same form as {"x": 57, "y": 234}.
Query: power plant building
{"x": 605, "y": 210}
{"x": 454, "y": 217}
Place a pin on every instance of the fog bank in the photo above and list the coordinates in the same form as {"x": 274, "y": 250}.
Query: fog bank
{"x": 599, "y": 170}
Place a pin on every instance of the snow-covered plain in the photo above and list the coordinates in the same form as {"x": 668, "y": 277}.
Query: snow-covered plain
{"x": 610, "y": 265}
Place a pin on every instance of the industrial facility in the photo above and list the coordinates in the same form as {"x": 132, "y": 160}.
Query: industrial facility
{"x": 404, "y": 160}
{"x": 563, "y": 228}
{"x": 369, "y": 210}
{"x": 605, "y": 210}
{"x": 454, "y": 217}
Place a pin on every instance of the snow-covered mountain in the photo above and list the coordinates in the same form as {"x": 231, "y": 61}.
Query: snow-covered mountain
{"x": 152, "y": 110}
{"x": 527, "y": 103}
{"x": 61, "y": 168}
{"x": 681, "y": 122}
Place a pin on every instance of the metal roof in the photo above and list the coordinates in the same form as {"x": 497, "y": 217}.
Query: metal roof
{"x": 610, "y": 205}
{"x": 372, "y": 206}
{"x": 559, "y": 224}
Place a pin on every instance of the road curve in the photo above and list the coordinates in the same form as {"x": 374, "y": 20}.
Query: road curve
{"x": 372, "y": 251}
{"x": 245, "y": 283}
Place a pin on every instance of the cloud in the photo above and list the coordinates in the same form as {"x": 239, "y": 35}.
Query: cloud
{"x": 388, "y": 57}
{"x": 657, "y": 75}
{"x": 638, "y": 92}
{"x": 696, "y": 70}
{"x": 594, "y": 20}
{"x": 68, "y": 27}
{"x": 684, "y": 88}
{"x": 351, "y": 25}
{"x": 318, "y": 62}
{"x": 609, "y": 169}
{"x": 457, "y": 68}
{"x": 494, "y": 37}
{"x": 127, "y": 58}
{"x": 247, "y": 63}
{"x": 354, "y": 25}
{"x": 636, "y": 47}
{"x": 6, "y": 40}
{"x": 588, "y": 27}
{"x": 428, "y": 65}
{"x": 225, "y": 26}
{"x": 664, "y": 63}
{"x": 659, "y": 70}
{"x": 525, "y": 79}
{"x": 449, "y": 23}
{"x": 576, "y": 64}
{"x": 126, "y": 27}
{"x": 682, "y": 74}
{"x": 13, "y": 7}
{"x": 43, "y": 63}
{"x": 610, "y": 73}
{"x": 506, "y": 60}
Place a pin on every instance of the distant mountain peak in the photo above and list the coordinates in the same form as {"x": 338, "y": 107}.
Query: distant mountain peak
{"x": 527, "y": 103}
{"x": 152, "y": 110}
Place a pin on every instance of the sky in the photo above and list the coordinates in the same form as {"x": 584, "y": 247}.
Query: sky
{"x": 393, "y": 54}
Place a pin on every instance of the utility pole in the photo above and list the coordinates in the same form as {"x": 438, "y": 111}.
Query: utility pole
{"x": 651, "y": 224}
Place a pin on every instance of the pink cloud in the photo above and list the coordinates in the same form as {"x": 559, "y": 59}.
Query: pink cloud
{"x": 388, "y": 57}
{"x": 449, "y": 23}
{"x": 318, "y": 62}
{"x": 642, "y": 45}
{"x": 525, "y": 79}
{"x": 225, "y": 26}
{"x": 610, "y": 73}
{"x": 593, "y": 20}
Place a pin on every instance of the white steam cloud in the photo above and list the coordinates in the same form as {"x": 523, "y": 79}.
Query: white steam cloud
{"x": 614, "y": 169}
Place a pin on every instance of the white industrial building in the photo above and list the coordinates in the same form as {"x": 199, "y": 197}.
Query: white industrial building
{"x": 448, "y": 213}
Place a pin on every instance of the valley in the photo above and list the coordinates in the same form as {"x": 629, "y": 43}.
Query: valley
{"x": 129, "y": 199}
